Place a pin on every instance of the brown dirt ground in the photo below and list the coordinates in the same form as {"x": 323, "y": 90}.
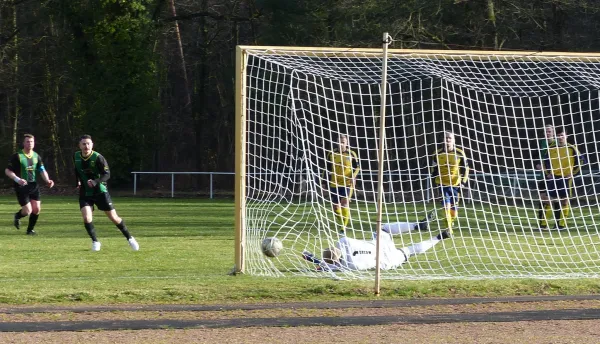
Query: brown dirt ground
{"x": 568, "y": 331}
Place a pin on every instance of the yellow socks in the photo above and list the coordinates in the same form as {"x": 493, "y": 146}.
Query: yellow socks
{"x": 345, "y": 216}
{"x": 342, "y": 216}
{"x": 451, "y": 214}
{"x": 564, "y": 213}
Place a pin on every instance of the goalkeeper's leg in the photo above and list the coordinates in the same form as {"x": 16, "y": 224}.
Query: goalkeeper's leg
{"x": 425, "y": 245}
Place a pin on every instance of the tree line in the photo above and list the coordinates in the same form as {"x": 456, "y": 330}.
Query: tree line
{"x": 153, "y": 80}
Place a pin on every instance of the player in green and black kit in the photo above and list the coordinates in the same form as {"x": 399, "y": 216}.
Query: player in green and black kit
{"x": 545, "y": 209}
{"x": 92, "y": 172}
{"x": 24, "y": 168}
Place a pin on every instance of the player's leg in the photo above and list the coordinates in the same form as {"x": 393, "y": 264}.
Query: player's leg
{"x": 405, "y": 227}
{"x": 345, "y": 208}
{"x": 36, "y": 207}
{"x": 33, "y": 217}
{"x": 449, "y": 201}
{"x": 423, "y": 224}
{"x": 425, "y": 245}
{"x": 24, "y": 201}
{"x": 105, "y": 204}
{"x": 335, "y": 203}
{"x": 545, "y": 213}
{"x": 446, "y": 205}
{"x": 455, "y": 202}
{"x": 544, "y": 206}
{"x": 564, "y": 204}
{"x": 563, "y": 213}
{"x": 346, "y": 205}
{"x": 86, "y": 207}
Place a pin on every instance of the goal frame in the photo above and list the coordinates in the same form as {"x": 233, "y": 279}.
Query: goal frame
{"x": 241, "y": 110}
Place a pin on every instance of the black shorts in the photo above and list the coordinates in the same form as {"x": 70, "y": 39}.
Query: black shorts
{"x": 559, "y": 187}
{"x": 101, "y": 200}
{"x": 28, "y": 192}
{"x": 542, "y": 186}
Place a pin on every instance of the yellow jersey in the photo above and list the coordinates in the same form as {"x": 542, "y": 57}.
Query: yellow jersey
{"x": 562, "y": 161}
{"x": 342, "y": 167}
{"x": 450, "y": 168}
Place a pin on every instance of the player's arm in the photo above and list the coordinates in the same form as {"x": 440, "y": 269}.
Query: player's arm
{"x": 328, "y": 168}
{"x": 10, "y": 170}
{"x": 546, "y": 165}
{"x": 578, "y": 160}
{"x": 78, "y": 180}
{"x": 433, "y": 166}
{"x": 543, "y": 148}
{"x": 321, "y": 264}
{"x": 434, "y": 173}
{"x": 42, "y": 169}
{"x": 464, "y": 168}
{"x": 103, "y": 169}
{"x": 12, "y": 175}
{"x": 355, "y": 166}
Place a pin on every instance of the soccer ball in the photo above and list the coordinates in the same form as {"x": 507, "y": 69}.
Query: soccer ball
{"x": 271, "y": 247}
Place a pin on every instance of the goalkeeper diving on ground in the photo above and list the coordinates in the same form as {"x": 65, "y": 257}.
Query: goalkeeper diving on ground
{"x": 354, "y": 254}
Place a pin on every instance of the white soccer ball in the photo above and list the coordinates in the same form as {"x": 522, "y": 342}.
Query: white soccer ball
{"x": 271, "y": 247}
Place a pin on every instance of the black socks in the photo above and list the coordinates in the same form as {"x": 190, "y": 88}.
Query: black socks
{"x": 121, "y": 226}
{"x": 89, "y": 227}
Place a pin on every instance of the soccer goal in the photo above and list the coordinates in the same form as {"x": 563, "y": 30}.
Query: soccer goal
{"x": 293, "y": 103}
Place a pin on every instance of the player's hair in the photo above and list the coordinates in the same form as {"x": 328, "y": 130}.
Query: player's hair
{"x": 84, "y": 137}
{"x": 561, "y": 130}
{"x": 28, "y": 136}
{"x": 332, "y": 255}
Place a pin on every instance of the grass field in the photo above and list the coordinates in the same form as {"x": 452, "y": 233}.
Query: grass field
{"x": 185, "y": 256}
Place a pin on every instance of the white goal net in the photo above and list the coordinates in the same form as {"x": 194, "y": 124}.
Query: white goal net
{"x": 299, "y": 102}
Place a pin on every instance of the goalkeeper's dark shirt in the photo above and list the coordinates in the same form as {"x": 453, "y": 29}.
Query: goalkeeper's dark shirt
{"x": 94, "y": 167}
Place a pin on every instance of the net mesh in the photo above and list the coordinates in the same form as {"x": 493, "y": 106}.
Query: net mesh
{"x": 299, "y": 102}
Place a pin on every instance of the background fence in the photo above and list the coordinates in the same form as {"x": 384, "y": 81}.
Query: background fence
{"x": 511, "y": 187}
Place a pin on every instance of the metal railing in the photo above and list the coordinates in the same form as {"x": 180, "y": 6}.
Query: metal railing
{"x": 211, "y": 174}
{"x": 513, "y": 179}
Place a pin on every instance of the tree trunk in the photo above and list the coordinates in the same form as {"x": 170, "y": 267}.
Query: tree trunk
{"x": 180, "y": 46}
{"x": 492, "y": 19}
{"x": 202, "y": 80}
{"x": 16, "y": 83}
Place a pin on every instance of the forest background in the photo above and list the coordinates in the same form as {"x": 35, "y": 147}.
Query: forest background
{"x": 153, "y": 80}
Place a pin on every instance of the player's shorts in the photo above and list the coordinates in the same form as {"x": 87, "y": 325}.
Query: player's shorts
{"x": 102, "y": 201}
{"x": 559, "y": 187}
{"x": 28, "y": 192}
{"x": 450, "y": 195}
{"x": 337, "y": 192}
{"x": 542, "y": 186}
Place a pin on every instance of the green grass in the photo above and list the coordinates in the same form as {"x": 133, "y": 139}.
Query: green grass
{"x": 185, "y": 256}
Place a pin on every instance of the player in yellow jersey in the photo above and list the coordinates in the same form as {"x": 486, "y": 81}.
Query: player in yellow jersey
{"x": 561, "y": 162}
{"x": 451, "y": 173}
{"x": 545, "y": 210}
{"x": 342, "y": 168}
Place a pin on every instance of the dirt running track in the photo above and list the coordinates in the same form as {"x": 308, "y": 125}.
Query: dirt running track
{"x": 556, "y": 319}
